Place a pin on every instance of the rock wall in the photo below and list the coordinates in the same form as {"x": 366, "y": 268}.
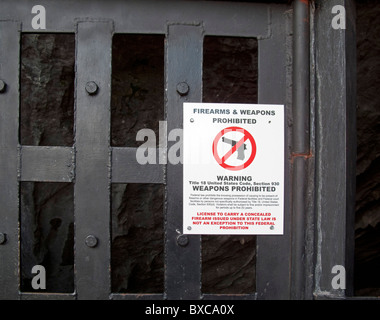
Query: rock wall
{"x": 47, "y": 118}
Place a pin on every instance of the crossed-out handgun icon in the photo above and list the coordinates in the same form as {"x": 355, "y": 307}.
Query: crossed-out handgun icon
{"x": 240, "y": 150}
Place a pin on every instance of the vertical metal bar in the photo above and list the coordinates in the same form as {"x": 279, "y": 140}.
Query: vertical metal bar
{"x": 335, "y": 56}
{"x": 299, "y": 188}
{"x": 183, "y": 64}
{"x": 9, "y": 159}
{"x": 301, "y": 140}
{"x": 301, "y": 77}
{"x": 351, "y": 142}
{"x": 92, "y": 144}
{"x": 273, "y": 258}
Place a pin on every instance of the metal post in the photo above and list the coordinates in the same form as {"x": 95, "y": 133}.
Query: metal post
{"x": 301, "y": 141}
{"x": 335, "y": 96}
{"x": 93, "y": 161}
{"x": 9, "y": 197}
{"x": 183, "y": 64}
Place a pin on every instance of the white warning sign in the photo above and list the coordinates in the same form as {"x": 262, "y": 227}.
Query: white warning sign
{"x": 233, "y": 168}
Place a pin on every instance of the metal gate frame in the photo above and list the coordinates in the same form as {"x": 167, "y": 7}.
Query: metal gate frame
{"x": 318, "y": 159}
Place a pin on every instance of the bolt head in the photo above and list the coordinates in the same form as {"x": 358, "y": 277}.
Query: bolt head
{"x": 2, "y": 86}
{"x": 183, "y": 240}
{"x": 91, "y": 241}
{"x": 182, "y": 88}
{"x": 3, "y": 238}
{"x": 91, "y": 88}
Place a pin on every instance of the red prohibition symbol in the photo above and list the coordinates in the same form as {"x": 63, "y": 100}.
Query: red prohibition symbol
{"x": 237, "y": 146}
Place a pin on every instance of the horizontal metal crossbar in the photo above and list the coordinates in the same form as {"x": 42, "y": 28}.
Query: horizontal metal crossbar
{"x": 219, "y": 18}
{"x": 47, "y": 164}
{"x": 57, "y": 164}
{"x": 136, "y": 296}
{"x": 47, "y": 296}
{"x": 252, "y": 296}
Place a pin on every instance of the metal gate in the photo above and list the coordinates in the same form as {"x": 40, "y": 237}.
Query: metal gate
{"x": 284, "y": 264}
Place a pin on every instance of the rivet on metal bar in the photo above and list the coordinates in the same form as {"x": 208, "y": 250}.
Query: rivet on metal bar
{"x": 182, "y": 240}
{"x": 91, "y": 241}
{"x": 3, "y": 238}
{"x": 91, "y": 88}
{"x": 2, "y": 86}
{"x": 182, "y": 88}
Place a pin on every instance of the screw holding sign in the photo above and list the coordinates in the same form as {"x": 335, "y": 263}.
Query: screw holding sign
{"x": 91, "y": 88}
